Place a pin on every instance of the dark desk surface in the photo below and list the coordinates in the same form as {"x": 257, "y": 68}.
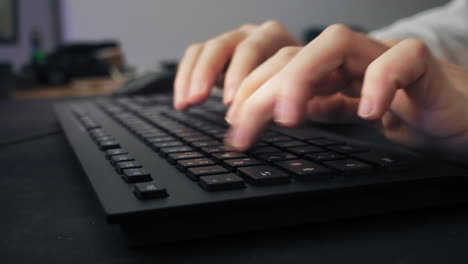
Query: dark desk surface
{"x": 50, "y": 215}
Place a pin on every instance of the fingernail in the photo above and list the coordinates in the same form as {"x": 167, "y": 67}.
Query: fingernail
{"x": 365, "y": 108}
{"x": 283, "y": 111}
{"x": 227, "y": 119}
{"x": 230, "y": 114}
{"x": 229, "y": 95}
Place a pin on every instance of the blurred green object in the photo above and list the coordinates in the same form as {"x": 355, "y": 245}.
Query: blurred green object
{"x": 7, "y": 81}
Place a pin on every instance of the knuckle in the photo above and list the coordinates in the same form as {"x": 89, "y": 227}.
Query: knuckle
{"x": 272, "y": 24}
{"x": 419, "y": 47}
{"x": 287, "y": 51}
{"x": 194, "y": 47}
{"x": 337, "y": 30}
{"x": 212, "y": 43}
{"x": 254, "y": 107}
{"x": 249, "y": 44}
{"x": 247, "y": 27}
{"x": 376, "y": 71}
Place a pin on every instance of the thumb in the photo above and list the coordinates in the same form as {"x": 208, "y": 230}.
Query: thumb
{"x": 401, "y": 67}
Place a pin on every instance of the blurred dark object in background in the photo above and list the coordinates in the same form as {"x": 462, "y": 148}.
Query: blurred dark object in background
{"x": 157, "y": 80}
{"x": 78, "y": 60}
{"x": 313, "y": 31}
{"x": 7, "y": 80}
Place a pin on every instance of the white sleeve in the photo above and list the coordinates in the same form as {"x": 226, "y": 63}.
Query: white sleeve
{"x": 444, "y": 29}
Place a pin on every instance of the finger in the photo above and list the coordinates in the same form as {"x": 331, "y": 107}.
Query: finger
{"x": 182, "y": 80}
{"x": 254, "y": 116}
{"x": 336, "y": 108}
{"x": 338, "y": 48}
{"x": 211, "y": 62}
{"x": 397, "y": 130}
{"x": 400, "y": 67}
{"x": 284, "y": 97}
{"x": 262, "y": 43}
{"x": 259, "y": 76}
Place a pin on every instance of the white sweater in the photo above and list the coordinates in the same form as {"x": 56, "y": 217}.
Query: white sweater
{"x": 444, "y": 29}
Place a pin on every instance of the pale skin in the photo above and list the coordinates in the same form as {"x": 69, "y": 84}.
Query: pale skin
{"x": 342, "y": 76}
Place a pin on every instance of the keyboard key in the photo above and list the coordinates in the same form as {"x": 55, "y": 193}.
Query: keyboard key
{"x": 104, "y": 138}
{"x": 305, "y": 150}
{"x": 97, "y": 132}
{"x": 136, "y": 175}
{"x": 264, "y": 150}
{"x": 196, "y": 172}
{"x": 184, "y": 164}
{"x": 219, "y": 149}
{"x": 324, "y": 142}
{"x": 260, "y": 144}
{"x": 149, "y": 190}
{"x": 172, "y": 158}
{"x": 273, "y": 139}
{"x": 263, "y": 175}
{"x": 119, "y": 158}
{"x": 159, "y": 139}
{"x": 347, "y": 149}
{"x": 349, "y": 166}
{"x": 188, "y": 135}
{"x": 152, "y": 134}
{"x": 279, "y": 156}
{"x": 305, "y": 170}
{"x": 197, "y": 138}
{"x": 324, "y": 156}
{"x": 116, "y": 151}
{"x": 166, "y": 151}
{"x": 209, "y": 143}
{"x": 228, "y": 155}
{"x": 120, "y": 166}
{"x": 221, "y": 182}
{"x": 219, "y": 136}
{"x": 233, "y": 164}
{"x": 159, "y": 145}
{"x": 108, "y": 144}
{"x": 387, "y": 161}
{"x": 289, "y": 144}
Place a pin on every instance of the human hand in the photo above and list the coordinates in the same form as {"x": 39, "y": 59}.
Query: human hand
{"x": 242, "y": 50}
{"x": 345, "y": 76}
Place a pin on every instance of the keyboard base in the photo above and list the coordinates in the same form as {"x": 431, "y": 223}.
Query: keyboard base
{"x": 335, "y": 205}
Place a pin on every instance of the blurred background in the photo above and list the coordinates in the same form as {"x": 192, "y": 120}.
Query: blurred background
{"x": 52, "y": 48}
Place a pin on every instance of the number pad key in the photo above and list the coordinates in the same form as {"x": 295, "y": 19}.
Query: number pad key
{"x": 349, "y": 166}
{"x": 232, "y": 164}
{"x": 195, "y": 173}
{"x": 221, "y": 182}
{"x": 305, "y": 170}
{"x": 263, "y": 175}
{"x": 184, "y": 164}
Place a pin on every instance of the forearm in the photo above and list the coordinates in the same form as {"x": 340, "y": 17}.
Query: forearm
{"x": 443, "y": 29}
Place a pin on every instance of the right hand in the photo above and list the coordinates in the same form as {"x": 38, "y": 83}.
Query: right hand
{"x": 242, "y": 50}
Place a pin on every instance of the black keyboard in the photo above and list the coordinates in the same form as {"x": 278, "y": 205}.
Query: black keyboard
{"x": 164, "y": 175}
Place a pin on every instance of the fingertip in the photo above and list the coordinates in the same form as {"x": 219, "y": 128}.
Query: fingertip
{"x": 180, "y": 106}
{"x": 237, "y": 139}
{"x": 367, "y": 110}
{"x": 230, "y": 114}
{"x": 287, "y": 113}
{"x": 229, "y": 92}
{"x": 198, "y": 94}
